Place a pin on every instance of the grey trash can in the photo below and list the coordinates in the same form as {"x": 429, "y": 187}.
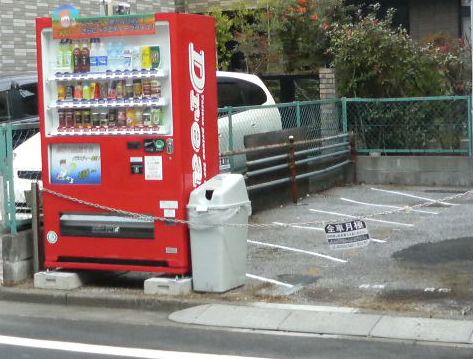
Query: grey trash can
{"x": 219, "y": 252}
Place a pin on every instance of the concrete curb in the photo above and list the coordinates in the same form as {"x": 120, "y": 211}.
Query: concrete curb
{"x": 105, "y": 299}
{"x": 380, "y": 326}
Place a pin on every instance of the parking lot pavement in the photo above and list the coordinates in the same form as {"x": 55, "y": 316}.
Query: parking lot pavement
{"x": 420, "y": 259}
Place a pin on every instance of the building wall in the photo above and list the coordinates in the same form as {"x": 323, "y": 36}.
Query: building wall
{"x": 433, "y": 16}
{"x": 17, "y": 26}
{"x": 199, "y": 6}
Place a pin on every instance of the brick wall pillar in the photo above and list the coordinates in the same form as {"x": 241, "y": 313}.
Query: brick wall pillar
{"x": 329, "y": 113}
{"x": 328, "y": 87}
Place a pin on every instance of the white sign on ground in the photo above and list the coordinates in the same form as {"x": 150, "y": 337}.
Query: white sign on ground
{"x": 353, "y": 234}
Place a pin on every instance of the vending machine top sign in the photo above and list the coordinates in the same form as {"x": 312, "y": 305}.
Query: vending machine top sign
{"x": 68, "y": 25}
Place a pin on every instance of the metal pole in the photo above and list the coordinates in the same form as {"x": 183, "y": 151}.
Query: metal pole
{"x": 471, "y": 97}
{"x": 344, "y": 115}
{"x": 298, "y": 114}
{"x": 38, "y": 254}
{"x": 10, "y": 179}
{"x": 230, "y": 138}
{"x": 293, "y": 169}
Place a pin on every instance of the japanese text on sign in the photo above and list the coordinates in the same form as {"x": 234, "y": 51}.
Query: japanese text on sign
{"x": 89, "y": 27}
{"x": 352, "y": 234}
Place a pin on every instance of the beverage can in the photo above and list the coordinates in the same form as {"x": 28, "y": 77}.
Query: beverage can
{"x": 78, "y": 119}
{"x": 112, "y": 91}
{"x": 155, "y": 57}
{"x": 78, "y": 91}
{"x": 155, "y": 88}
{"x": 95, "y": 119}
{"x": 97, "y": 90}
{"x": 146, "y": 60}
{"x": 103, "y": 119}
{"x": 156, "y": 117}
{"x": 62, "y": 118}
{"x": 137, "y": 88}
{"x": 121, "y": 117}
{"x": 86, "y": 93}
{"x": 146, "y": 87}
{"x": 70, "y": 92}
{"x": 69, "y": 119}
{"x": 130, "y": 117}
{"x": 138, "y": 117}
{"x": 120, "y": 89}
{"x": 86, "y": 121}
{"x": 61, "y": 92}
{"x": 147, "y": 118}
{"x": 129, "y": 90}
{"x": 112, "y": 118}
{"x": 104, "y": 90}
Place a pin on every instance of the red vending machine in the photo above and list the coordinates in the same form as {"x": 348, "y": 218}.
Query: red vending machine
{"x": 128, "y": 109}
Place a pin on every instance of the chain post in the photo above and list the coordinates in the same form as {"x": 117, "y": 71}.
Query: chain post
{"x": 293, "y": 169}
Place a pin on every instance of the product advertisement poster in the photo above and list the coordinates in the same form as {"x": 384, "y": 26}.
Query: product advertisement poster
{"x": 75, "y": 164}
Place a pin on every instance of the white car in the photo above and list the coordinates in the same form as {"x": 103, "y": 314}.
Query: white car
{"x": 234, "y": 89}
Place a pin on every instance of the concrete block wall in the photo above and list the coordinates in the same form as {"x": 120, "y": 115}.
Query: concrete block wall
{"x": 17, "y": 257}
{"x": 17, "y": 26}
{"x": 415, "y": 170}
{"x": 200, "y": 6}
{"x": 328, "y": 88}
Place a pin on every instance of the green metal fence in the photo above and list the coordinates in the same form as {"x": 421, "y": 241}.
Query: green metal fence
{"x": 16, "y": 177}
{"x": 427, "y": 125}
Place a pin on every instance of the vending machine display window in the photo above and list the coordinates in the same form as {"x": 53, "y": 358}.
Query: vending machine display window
{"x": 108, "y": 86}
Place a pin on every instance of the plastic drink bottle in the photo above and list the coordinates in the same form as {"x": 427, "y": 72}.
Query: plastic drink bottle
{"x": 102, "y": 57}
{"x": 76, "y": 57}
{"x": 94, "y": 61}
{"x": 67, "y": 56}
{"x": 59, "y": 56}
{"x": 85, "y": 58}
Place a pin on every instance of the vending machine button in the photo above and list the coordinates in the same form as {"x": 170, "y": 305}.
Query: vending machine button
{"x": 137, "y": 169}
{"x": 159, "y": 144}
{"x": 154, "y": 145}
{"x": 170, "y": 146}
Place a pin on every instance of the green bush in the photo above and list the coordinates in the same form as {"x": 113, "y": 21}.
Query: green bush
{"x": 374, "y": 60}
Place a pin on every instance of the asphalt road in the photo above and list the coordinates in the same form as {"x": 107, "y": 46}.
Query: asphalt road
{"x": 62, "y": 331}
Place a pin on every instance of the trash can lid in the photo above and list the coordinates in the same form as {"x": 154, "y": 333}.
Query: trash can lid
{"x": 222, "y": 191}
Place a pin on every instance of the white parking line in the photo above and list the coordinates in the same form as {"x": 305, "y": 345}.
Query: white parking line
{"x": 364, "y": 219}
{"x": 378, "y": 240}
{"x": 315, "y": 254}
{"x": 318, "y": 229}
{"x": 385, "y": 206}
{"x": 267, "y": 280}
{"x": 414, "y": 196}
{"x": 301, "y": 227}
{"x": 121, "y": 352}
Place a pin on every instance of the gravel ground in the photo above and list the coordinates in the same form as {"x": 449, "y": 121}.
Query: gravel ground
{"x": 426, "y": 266}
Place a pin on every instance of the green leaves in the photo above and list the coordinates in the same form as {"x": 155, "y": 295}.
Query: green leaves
{"x": 374, "y": 60}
